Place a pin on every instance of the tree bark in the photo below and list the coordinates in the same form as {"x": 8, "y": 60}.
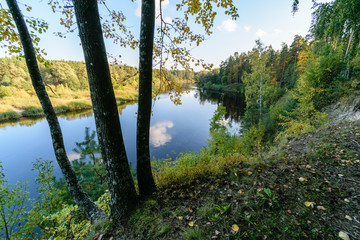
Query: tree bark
{"x": 79, "y": 196}
{"x": 119, "y": 178}
{"x": 144, "y": 172}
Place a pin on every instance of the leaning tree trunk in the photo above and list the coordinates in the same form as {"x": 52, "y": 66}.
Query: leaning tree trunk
{"x": 77, "y": 193}
{"x": 144, "y": 173}
{"x": 119, "y": 178}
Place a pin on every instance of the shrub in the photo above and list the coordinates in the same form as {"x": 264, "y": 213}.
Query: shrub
{"x": 5, "y": 92}
{"x": 11, "y": 115}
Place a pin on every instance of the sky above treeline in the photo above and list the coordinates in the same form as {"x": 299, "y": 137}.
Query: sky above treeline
{"x": 271, "y": 21}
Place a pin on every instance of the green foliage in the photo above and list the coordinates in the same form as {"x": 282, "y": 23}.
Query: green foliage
{"x": 13, "y": 209}
{"x": 269, "y": 197}
{"x": 194, "y": 234}
{"x": 6, "y": 116}
{"x": 252, "y": 140}
{"x": 89, "y": 169}
{"x": 33, "y": 112}
{"x": 5, "y": 92}
{"x": 218, "y": 120}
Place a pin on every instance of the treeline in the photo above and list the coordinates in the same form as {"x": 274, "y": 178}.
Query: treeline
{"x": 286, "y": 90}
{"x": 279, "y": 65}
{"x": 70, "y": 74}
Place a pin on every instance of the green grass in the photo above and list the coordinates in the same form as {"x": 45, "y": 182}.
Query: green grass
{"x": 9, "y": 116}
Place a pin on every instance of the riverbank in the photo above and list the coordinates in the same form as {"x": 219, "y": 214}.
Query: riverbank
{"x": 305, "y": 188}
{"x": 17, "y": 107}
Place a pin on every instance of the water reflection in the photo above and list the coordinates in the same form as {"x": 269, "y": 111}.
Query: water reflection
{"x": 231, "y": 101}
{"x": 159, "y": 135}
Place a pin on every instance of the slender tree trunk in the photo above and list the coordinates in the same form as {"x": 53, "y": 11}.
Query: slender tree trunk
{"x": 144, "y": 173}
{"x": 77, "y": 193}
{"x": 261, "y": 84}
{"x": 119, "y": 178}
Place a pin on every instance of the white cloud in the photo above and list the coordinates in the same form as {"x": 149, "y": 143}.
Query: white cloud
{"x": 228, "y": 25}
{"x": 260, "y": 33}
{"x": 277, "y": 30}
{"x": 247, "y": 28}
{"x": 159, "y": 135}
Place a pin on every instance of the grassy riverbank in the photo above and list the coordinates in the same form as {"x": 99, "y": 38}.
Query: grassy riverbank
{"x": 304, "y": 188}
{"x": 27, "y": 106}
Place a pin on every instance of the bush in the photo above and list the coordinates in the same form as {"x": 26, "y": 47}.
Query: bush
{"x": 33, "y": 112}
{"x": 6, "y": 116}
{"x": 5, "y": 92}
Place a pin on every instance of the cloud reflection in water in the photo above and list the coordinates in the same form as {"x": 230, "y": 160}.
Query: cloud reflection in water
{"x": 159, "y": 135}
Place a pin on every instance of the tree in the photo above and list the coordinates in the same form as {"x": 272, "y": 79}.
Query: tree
{"x": 144, "y": 172}
{"x": 119, "y": 178}
{"x": 79, "y": 196}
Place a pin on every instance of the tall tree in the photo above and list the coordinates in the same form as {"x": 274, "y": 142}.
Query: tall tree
{"x": 119, "y": 178}
{"x": 144, "y": 173}
{"x": 79, "y": 196}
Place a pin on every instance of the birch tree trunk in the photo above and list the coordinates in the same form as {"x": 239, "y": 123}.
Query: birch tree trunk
{"x": 144, "y": 172}
{"x": 119, "y": 178}
{"x": 79, "y": 196}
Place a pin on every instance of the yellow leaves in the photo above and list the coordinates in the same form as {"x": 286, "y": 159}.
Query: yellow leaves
{"x": 240, "y": 192}
{"x": 191, "y": 224}
{"x": 309, "y": 204}
{"x": 249, "y": 173}
{"x": 340, "y": 175}
{"x": 235, "y": 228}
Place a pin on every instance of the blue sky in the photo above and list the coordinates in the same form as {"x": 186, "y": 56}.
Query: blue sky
{"x": 271, "y": 21}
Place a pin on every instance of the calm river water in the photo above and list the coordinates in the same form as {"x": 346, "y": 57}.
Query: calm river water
{"x": 174, "y": 129}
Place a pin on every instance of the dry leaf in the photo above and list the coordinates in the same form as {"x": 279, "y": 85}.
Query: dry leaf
{"x": 340, "y": 175}
{"x": 249, "y": 173}
{"x": 321, "y": 208}
{"x": 235, "y": 228}
{"x": 348, "y": 217}
{"x": 191, "y": 224}
{"x": 190, "y": 209}
{"x": 240, "y": 192}
{"x": 308, "y": 204}
{"x": 301, "y": 179}
{"x": 180, "y": 218}
{"x": 343, "y": 236}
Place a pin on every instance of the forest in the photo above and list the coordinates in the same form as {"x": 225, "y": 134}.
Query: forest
{"x": 292, "y": 172}
{"x": 67, "y": 86}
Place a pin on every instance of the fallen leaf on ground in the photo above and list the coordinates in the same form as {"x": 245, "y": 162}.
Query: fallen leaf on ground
{"x": 308, "y": 204}
{"x": 240, "y": 192}
{"x": 301, "y": 179}
{"x": 249, "y": 173}
{"x": 191, "y": 224}
{"x": 235, "y": 228}
{"x": 348, "y": 217}
{"x": 343, "y": 236}
{"x": 321, "y": 208}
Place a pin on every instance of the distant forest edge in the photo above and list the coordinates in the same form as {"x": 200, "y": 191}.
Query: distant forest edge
{"x": 67, "y": 85}
{"x": 317, "y": 72}
{"x": 286, "y": 91}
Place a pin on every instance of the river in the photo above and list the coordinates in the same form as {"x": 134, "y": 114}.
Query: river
{"x": 174, "y": 129}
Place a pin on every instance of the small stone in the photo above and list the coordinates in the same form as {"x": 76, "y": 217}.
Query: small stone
{"x": 346, "y": 200}
{"x": 348, "y": 217}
